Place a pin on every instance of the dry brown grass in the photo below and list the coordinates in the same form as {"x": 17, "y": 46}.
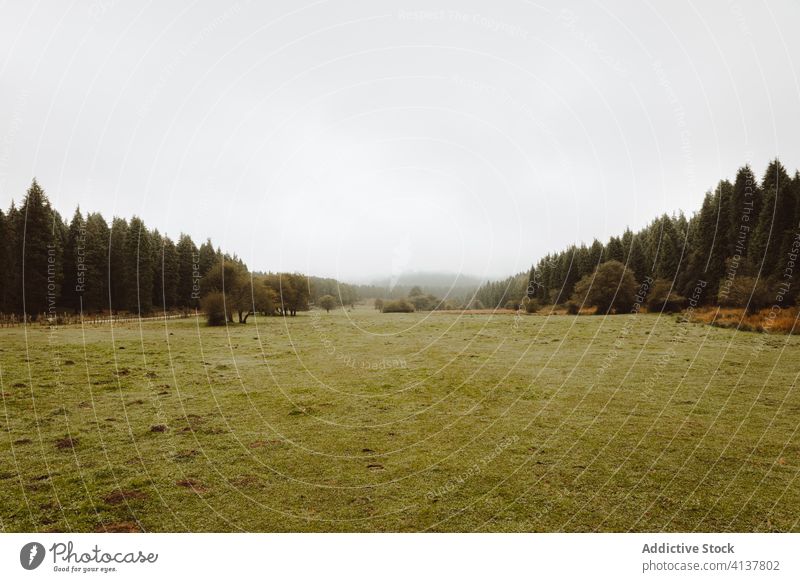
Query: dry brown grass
{"x": 767, "y": 320}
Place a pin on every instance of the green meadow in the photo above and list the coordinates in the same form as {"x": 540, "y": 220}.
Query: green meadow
{"x": 362, "y": 421}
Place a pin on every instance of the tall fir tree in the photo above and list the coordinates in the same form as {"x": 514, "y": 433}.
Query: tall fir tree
{"x": 73, "y": 245}
{"x": 768, "y": 235}
{"x": 208, "y": 257}
{"x": 6, "y": 242}
{"x": 139, "y": 268}
{"x": 187, "y": 260}
{"x": 40, "y": 238}
{"x": 118, "y": 283}
{"x": 92, "y": 289}
{"x": 165, "y": 285}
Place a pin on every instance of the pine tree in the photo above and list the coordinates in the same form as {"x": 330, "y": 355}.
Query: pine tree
{"x": 93, "y": 288}
{"x": 187, "y": 263}
{"x": 165, "y": 287}
{"x": 636, "y": 260}
{"x": 614, "y": 250}
{"x": 723, "y": 240}
{"x": 73, "y": 245}
{"x": 669, "y": 250}
{"x": 744, "y": 208}
{"x": 208, "y": 257}
{"x": 118, "y": 283}
{"x": 40, "y": 253}
{"x": 13, "y": 253}
{"x": 768, "y": 235}
{"x": 530, "y": 291}
{"x": 6, "y": 243}
{"x": 139, "y": 268}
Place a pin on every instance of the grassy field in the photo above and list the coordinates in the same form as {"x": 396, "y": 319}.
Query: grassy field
{"x": 360, "y": 421}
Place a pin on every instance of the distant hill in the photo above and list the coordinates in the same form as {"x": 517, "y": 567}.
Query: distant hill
{"x": 444, "y": 285}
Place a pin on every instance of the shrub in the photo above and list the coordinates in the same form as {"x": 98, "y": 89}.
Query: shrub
{"x": 572, "y": 307}
{"x": 662, "y": 298}
{"x": 423, "y": 302}
{"x": 327, "y": 302}
{"x": 532, "y": 305}
{"x": 214, "y": 306}
{"x": 746, "y": 292}
{"x": 398, "y": 306}
{"x": 611, "y": 288}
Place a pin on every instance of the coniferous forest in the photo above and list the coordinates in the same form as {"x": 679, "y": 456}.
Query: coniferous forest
{"x": 55, "y": 268}
{"x": 738, "y": 250}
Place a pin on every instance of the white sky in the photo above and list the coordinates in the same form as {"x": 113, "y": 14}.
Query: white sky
{"x": 360, "y": 139}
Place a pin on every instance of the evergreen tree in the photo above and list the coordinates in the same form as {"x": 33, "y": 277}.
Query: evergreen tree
{"x": 188, "y": 261}
{"x": 669, "y": 250}
{"x": 165, "y": 288}
{"x": 768, "y": 235}
{"x": 139, "y": 268}
{"x": 636, "y": 260}
{"x": 530, "y": 291}
{"x": 92, "y": 289}
{"x": 72, "y": 246}
{"x": 117, "y": 280}
{"x": 13, "y": 259}
{"x": 208, "y": 257}
{"x": 614, "y": 250}
{"x": 40, "y": 253}
{"x": 6, "y": 243}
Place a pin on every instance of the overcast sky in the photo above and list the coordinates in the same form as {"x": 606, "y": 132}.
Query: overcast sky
{"x": 360, "y": 139}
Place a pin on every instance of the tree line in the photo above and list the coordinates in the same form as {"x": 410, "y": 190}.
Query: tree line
{"x": 739, "y": 249}
{"x": 49, "y": 266}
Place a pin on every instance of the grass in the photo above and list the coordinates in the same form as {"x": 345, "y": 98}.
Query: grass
{"x": 361, "y": 421}
{"x": 770, "y": 320}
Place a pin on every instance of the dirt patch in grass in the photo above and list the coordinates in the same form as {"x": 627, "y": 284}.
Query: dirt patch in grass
{"x": 246, "y": 481}
{"x": 186, "y": 455}
{"x": 119, "y": 527}
{"x": 266, "y": 443}
{"x": 122, "y": 495}
{"x": 66, "y": 443}
{"x": 192, "y": 484}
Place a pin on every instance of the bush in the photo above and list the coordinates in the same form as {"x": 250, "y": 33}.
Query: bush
{"x": 398, "y": 306}
{"x": 327, "y": 302}
{"x": 423, "y": 302}
{"x": 214, "y": 306}
{"x": 661, "y": 298}
{"x": 572, "y": 307}
{"x": 532, "y": 305}
{"x": 746, "y": 292}
{"x": 611, "y": 288}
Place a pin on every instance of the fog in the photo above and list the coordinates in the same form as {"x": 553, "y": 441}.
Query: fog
{"x": 367, "y": 139}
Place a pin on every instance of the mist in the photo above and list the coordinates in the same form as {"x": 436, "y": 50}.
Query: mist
{"x": 365, "y": 140}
